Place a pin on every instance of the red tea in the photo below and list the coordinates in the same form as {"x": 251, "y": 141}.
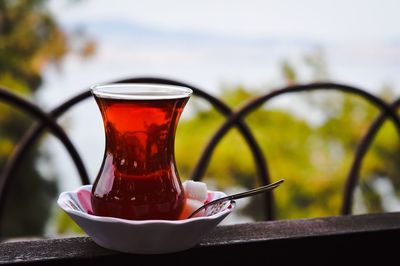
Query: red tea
{"x": 138, "y": 179}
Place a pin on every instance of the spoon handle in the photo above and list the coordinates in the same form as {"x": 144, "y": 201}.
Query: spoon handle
{"x": 253, "y": 191}
{"x": 240, "y": 195}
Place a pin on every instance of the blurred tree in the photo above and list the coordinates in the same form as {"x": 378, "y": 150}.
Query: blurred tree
{"x": 317, "y": 64}
{"x": 30, "y": 39}
{"x": 288, "y": 72}
{"x": 313, "y": 158}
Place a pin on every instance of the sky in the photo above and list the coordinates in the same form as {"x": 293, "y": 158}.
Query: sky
{"x": 242, "y": 41}
{"x": 212, "y": 44}
{"x": 338, "y": 20}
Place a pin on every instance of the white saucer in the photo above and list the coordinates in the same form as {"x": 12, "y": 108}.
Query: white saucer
{"x": 140, "y": 237}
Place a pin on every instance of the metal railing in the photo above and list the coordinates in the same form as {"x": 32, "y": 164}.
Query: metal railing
{"x": 233, "y": 118}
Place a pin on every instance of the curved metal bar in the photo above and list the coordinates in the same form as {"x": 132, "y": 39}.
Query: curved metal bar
{"x": 260, "y": 161}
{"x": 363, "y": 147}
{"x": 201, "y": 166}
{"x": 235, "y": 118}
{"x": 252, "y": 105}
{"x": 37, "y": 113}
{"x": 34, "y": 133}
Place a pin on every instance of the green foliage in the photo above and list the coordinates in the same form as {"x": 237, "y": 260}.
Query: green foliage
{"x": 29, "y": 38}
{"x": 314, "y": 160}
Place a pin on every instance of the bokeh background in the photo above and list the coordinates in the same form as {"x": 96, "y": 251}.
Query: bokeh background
{"x": 235, "y": 50}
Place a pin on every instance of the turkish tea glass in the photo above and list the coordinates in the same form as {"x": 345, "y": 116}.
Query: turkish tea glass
{"x": 138, "y": 178}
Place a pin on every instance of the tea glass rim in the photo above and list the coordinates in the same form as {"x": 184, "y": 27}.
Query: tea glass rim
{"x": 140, "y": 91}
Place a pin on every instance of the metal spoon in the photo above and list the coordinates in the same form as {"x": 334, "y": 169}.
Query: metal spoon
{"x": 215, "y": 206}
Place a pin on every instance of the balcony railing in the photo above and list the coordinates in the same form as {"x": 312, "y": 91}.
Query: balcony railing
{"x": 360, "y": 239}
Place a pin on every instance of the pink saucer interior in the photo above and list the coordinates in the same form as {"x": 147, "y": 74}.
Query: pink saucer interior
{"x": 86, "y": 204}
{"x": 84, "y": 200}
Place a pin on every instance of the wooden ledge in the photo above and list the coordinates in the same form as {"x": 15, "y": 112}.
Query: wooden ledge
{"x": 320, "y": 241}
